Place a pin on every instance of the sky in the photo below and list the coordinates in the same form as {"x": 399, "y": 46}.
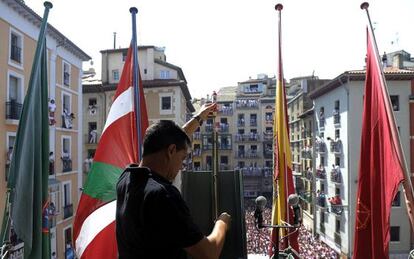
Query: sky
{"x": 219, "y": 43}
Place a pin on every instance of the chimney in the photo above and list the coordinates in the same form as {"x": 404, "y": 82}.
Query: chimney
{"x": 397, "y": 61}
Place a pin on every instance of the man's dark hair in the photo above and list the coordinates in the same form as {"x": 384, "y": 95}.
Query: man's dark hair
{"x": 162, "y": 134}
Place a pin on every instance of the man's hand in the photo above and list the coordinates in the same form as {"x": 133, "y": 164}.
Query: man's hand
{"x": 206, "y": 109}
{"x": 226, "y": 218}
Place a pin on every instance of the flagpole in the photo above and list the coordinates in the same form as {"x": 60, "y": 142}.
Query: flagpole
{"x": 407, "y": 185}
{"x": 135, "y": 79}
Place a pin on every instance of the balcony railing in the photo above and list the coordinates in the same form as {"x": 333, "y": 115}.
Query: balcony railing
{"x": 13, "y": 110}
{"x": 251, "y": 171}
{"x": 253, "y": 123}
{"x": 197, "y": 152}
{"x": 320, "y": 200}
{"x": 225, "y": 110}
{"x": 16, "y": 53}
{"x": 240, "y": 154}
{"x": 66, "y": 164}
{"x": 336, "y": 146}
{"x": 267, "y": 135}
{"x": 337, "y": 238}
{"x": 91, "y": 138}
{"x": 224, "y": 146}
{"x": 267, "y": 171}
{"x": 247, "y": 104}
{"x": 320, "y": 147}
{"x": 209, "y": 127}
{"x": 224, "y": 167}
{"x": 320, "y": 173}
{"x": 241, "y": 123}
{"x": 268, "y": 153}
{"x": 197, "y": 135}
{"x": 307, "y": 153}
{"x": 247, "y": 137}
{"x": 68, "y": 211}
{"x": 66, "y": 78}
{"x": 16, "y": 251}
{"x": 252, "y": 154}
{"x": 336, "y": 205}
{"x": 322, "y": 123}
{"x": 335, "y": 176}
{"x": 224, "y": 127}
{"x": 337, "y": 119}
{"x": 208, "y": 146}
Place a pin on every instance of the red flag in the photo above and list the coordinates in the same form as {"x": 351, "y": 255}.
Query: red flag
{"x": 94, "y": 227}
{"x": 381, "y": 168}
{"x": 282, "y": 164}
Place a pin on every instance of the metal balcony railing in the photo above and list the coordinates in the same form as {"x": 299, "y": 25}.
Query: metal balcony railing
{"x": 320, "y": 147}
{"x": 337, "y": 119}
{"x": 197, "y": 152}
{"x": 320, "y": 173}
{"x": 13, "y": 110}
{"x": 68, "y": 211}
{"x": 251, "y": 171}
{"x": 197, "y": 135}
{"x": 247, "y": 104}
{"x": 241, "y": 123}
{"x": 320, "y": 201}
{"x": 66, "y": 164}
{"x": 253, "y": 123}
{"x": 209, "y": 127}
{"x": 240, "y": 154}
{"x": 337, "y": 238}
{"x": 224, "y": 127}
{"x": 225, "y": 110}
{"x": 16, "y": 53}
{"x": 267, "y": 135}
{"x": 335, "y": 176}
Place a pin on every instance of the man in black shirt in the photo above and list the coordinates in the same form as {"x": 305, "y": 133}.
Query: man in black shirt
{"x": 152, "y": 219}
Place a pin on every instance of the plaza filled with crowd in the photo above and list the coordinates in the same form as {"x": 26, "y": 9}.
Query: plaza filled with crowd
{"x": 258, "y": 240}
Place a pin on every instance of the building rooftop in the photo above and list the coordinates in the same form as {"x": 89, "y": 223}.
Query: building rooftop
{"x": 27, "y": 13}
{"x": 391, "y": 73}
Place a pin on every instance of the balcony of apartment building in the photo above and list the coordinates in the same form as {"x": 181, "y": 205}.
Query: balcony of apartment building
{"x": 268, "y": 119}
{"x": 224, "y": 167}
{"x": 13, "y": 110}
{"x": 308, "y": 174}
{"x": 337, "y": 238}
{"x": 240, "y": 154}
{"x": 16, "y": 53}
{"x": 320, "y": 146}
{"x": 305, "y": 196}
{"x": 197, "y": 135}
{"x": 336, "y": 205}
{"x": 336, "y": 175}
{"x": 196, "y": 152}
{"x": 321, "y": 199}
{"x": 92, "y": 137}
{"x": 225, "y": 110}
{"x": 267, "y": 171}
{"x": 66, "y": 163}
{"x": 67, "y": 211}
{"x": 207, "y": 146}
{"x": 252, "y": 153}
{"x": 267, "y": 135}
{"x": 307, "y": 152}
{"x": 253, "y": 122}
{"x": 320, "y": 172}
{"x": 268, "y": 152}
{"x": 251, "y": 171}
{"x": 209, "y": 127}
{"x": 337, "y": 117}
{"x": 241, "y": 122}
{"x": 67, "y": 119}
{"x": 224, "y": 128}
{"x": 252, "y": 136}
{"x": 306, "y": 134}
{"x": 247, "y": 104}
{"x": 336, "y": 146}
{"x": 224, "y": 146}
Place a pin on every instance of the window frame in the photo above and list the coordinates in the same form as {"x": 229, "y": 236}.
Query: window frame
{"x": 166, "y": 111}
{"x": 64, "y": 137}
{"x": 63, "y": 73}
{"x": 13, "y": 62}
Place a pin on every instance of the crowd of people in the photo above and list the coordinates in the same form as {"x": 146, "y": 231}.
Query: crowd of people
{"x": 258, "y": 240}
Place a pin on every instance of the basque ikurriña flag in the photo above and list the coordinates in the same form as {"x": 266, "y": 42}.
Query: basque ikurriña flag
{"x": 94, "y": 227}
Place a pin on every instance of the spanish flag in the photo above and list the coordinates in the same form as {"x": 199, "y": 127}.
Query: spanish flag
{"x": 282, "y": 163}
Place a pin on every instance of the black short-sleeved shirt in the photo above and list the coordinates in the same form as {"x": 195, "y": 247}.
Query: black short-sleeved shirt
{"x": 152, "y": 219}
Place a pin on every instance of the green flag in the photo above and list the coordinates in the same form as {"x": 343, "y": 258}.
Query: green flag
{"x": 28, "y": 175}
